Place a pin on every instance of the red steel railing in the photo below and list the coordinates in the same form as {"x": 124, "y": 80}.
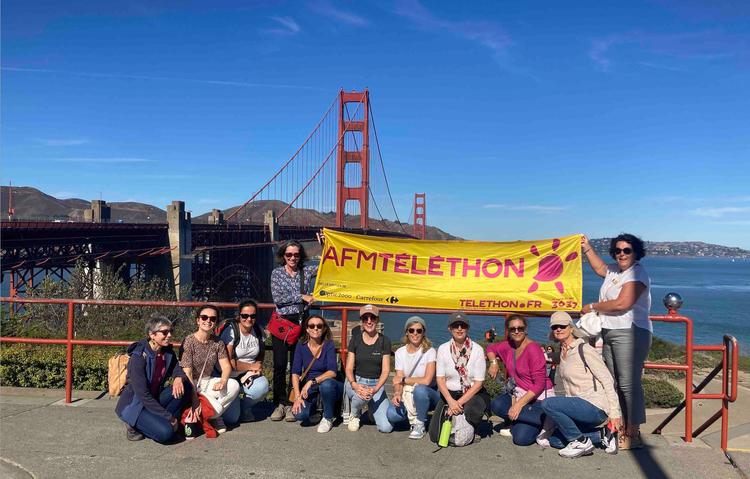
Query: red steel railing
{"x": 728, "y": 366}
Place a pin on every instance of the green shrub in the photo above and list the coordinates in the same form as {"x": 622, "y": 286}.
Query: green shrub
{"x": 660, "y": 393}
{"x": 43, "y": 366}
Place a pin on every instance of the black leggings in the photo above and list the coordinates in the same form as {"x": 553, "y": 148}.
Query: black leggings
{"x": 282, "y": 353}
{"x": 473, "y": 411}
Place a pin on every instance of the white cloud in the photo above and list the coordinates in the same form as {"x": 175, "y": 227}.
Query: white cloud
{"x": 326, "y": 8}
{"x": 288, "y": 26}
{"x": 721, "y": 211}
{"x": 103, "y": 160}
{"x": 62, "y": 141}
{"x": 533, "y": 208}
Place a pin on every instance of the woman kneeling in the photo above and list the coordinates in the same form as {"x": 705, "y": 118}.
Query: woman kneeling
{"x": 147, "y": 407}
{"x": 414, "y": 388}
{"x": 314, "y": 373}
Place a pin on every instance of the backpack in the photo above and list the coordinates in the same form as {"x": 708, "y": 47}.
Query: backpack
{"x": 117, "y": 373}
{"x": 230, "y": 322}
{"x": 585, "y": 364}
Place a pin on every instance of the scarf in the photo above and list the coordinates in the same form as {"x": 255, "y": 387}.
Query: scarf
{"x": 461, "y": 360}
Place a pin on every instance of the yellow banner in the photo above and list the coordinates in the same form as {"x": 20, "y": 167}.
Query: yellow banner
{"x": 542, "y": 275}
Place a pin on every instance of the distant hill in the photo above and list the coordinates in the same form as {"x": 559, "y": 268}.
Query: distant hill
{"x": 686, "y": 249}
{"x": 31, "y": 204}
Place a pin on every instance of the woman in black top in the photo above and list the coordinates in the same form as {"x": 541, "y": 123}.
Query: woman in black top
{"x": 368, "y": 364}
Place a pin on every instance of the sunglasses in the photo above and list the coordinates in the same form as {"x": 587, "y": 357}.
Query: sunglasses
{"x": 205, "y": 317}
{"x": 459, "y": 325}
{"x": 416, "y": 330}
{"x": 291, "y": 255}
{"x": 369, "y": 317}
{"x": 558, "y": 326}
{"x": 248, "y": 316}
{"x": 517, "y": 330}
{"x": 316, "y": 326}
{"x": 623, "y": 250}
{"x": 164, "y": 331}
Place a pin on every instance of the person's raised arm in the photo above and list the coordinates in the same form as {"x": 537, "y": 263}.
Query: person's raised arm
{"x": 597, "y": 264}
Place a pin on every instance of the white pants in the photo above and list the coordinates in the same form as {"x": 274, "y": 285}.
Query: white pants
{"x": 222, "y": 398}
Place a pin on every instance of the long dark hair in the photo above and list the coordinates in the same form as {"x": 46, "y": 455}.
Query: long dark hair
{"x": 326, "y": 336}
{"x": 282, "y": 249}
{"x": 638, "y": 247}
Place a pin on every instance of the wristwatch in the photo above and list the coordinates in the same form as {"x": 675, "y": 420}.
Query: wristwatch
{"x": 314, "y": 381}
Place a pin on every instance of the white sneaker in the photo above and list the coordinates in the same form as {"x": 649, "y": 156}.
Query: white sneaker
{"x": 505, "y": 432}
{"x": 417, "y": 430}
{"x": 218, "y": 424}
{"x": 353, "y": 425}
{"x": 325, "y": 425}
{"x": 543, "y": 439}
{"x": 577, "y": 448}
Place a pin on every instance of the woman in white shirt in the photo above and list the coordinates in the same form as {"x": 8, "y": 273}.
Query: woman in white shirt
{"x": 415, "y": 393}
{"x": 624, "y": 305}
{"x": 460, "y": 371}
{"x": 246, "y": 350}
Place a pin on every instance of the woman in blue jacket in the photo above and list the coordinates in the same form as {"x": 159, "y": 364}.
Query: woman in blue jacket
{"x": 147, "y": 407}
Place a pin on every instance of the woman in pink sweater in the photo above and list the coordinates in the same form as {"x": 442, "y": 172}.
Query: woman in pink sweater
{"x": 527, "y": 384}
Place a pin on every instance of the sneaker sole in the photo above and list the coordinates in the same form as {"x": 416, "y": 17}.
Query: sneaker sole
{"x": 584, "y": 453}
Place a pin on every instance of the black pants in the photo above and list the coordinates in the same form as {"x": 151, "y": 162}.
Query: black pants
{"x": 282, "y": 353}
{"x": 473, "y": 410}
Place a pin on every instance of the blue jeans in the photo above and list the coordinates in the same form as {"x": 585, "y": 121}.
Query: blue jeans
{"x": 245, "y": 401}
{"x": 425, "y": 399}
{"x": 330, "y": 392}
{"x": 378, "y": 405}
{"x": 527, "y": 427}
{"x": 156, "y": 427}
{"x": 573, "y": 416}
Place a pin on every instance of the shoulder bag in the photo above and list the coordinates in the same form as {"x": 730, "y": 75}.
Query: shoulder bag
{"x": 284, "y": 329}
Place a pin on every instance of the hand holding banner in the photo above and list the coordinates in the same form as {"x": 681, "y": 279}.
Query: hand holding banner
{"x": 543, "y": 275}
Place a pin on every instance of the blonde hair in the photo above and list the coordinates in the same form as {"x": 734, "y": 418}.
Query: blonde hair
{"x": 425, "y": 344}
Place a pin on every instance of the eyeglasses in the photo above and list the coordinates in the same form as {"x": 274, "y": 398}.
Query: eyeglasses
{"x": 623, "y": 250}
{"x": 416, "y": 330}
{"x": 369, "y": 317}
{"x": 316, "y": 326}
{"x": 459, "y": 325}
{"x": 555, "y": 327}
{"x": 517, "y": 330}
{"x": 291, "y": 255}
{"x": 205, "y": 317}
{"x": 164, "y": 331}
{"x": 248, "y": 316}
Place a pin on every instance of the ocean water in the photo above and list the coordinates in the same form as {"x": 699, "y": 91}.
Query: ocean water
{"x": 715, "y": 294}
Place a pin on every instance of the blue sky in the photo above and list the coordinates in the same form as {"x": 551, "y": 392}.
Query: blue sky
{"x": 520, "y": 120}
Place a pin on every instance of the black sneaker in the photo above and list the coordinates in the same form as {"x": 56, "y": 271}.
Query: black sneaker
{"x": 133, "y": 434}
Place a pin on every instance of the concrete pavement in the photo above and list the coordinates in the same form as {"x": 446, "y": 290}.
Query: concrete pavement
{"x": 42, "y": 437}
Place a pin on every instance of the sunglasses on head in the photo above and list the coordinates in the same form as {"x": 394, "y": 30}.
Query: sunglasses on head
{"x": 520, "y": 329}
{"x": 623, "y": 250}
{"x": 291, "y": 255}
{"x": 315, "y": 326}
{"x": 205, "y": 317}
{"x": 416, "y": 330}
{"x": 248, "y": 316}
{"x": 555, "y": 327}
{"x": 459, "y": 325}
{"x": 164, "y": 331}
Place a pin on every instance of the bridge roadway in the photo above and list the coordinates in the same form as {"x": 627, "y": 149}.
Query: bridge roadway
{"x": 45, "y": 439}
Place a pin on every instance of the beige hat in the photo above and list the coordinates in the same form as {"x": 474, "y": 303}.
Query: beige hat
{"x": 369, "y": 309}
{"x": 563, "y": 319}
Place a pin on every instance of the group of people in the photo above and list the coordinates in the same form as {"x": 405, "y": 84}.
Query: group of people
{"x": 601, "y": 390}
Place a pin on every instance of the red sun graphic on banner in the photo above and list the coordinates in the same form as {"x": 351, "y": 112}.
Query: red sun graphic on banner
{"x": 550, "y": 267}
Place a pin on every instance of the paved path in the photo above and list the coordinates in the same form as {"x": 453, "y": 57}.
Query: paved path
{"x": 41, "y": 437}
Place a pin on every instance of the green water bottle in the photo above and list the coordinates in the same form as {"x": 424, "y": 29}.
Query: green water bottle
{"x": 445, "y": 433}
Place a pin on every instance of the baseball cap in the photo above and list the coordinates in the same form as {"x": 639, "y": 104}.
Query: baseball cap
{"x": 369, "y": 309}
{"x": 563, "y": 319}
{"x": 458, "y": 316}
{"x": 414, "y": 319}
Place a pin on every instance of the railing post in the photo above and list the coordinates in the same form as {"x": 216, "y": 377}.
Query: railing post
{"x": 344, "y": 333}
{"x": 689, "y": 381}
{"x": 69, "y": 355}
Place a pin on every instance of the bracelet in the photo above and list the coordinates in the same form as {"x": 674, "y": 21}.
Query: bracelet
{"x": 587, "y": 251}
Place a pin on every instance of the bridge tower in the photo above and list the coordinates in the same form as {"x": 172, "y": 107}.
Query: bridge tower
{"x": 420, "y": 216}
{"x": 353, "y": 133}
